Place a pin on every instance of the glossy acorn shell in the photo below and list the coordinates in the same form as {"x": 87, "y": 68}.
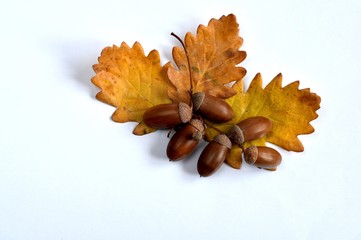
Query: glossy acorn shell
{"x": 250, "y": 129}
{"x": 263, "y": 157}
{"x": 212, "y": 108}
{"x": 183, "y": 142}
{"x": 212, "y": 158}
{"x": 255, "y": 127}
{"x": 165, "y": 116}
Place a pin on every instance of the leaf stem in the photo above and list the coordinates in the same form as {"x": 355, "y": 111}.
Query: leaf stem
{"x": 189, "y": 65}
{"x": 215, "y": 128}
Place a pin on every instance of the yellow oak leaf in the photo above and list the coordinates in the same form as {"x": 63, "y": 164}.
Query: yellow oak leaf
{"x": 213, "y": 54}
{"x": 131, "y": 82}
{"x": 289, "y": 108}
{"x": 234, "y": 157}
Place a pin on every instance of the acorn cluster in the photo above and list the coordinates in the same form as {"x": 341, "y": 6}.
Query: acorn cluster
{"x": 187, "y": 121}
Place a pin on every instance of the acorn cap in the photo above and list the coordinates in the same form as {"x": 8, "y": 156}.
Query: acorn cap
{"x": 197, "y": 100}
{"x": 198, "y": 124}
{"x": 236, "y": 135}
{"x": 251, "y": 154}
{"x": 185, "y": 112}
{"x": 223, "y": 140}
{"x": 197, "y": 136}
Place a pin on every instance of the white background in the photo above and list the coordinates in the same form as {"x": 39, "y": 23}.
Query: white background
{"x": 68, "y": 172}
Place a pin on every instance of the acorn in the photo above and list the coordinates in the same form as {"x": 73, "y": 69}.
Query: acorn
{"x": 185, "y": 140}
{"x": 213, "y": 155}
{"x": 263, "y": 157}
{"x": 212, "y": 108}
{"x": 169, "y": 115}
{"x": 250, "y": 129}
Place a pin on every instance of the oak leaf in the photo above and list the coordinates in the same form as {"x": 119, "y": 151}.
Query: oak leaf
{"x": 234, "y": 157}
{"x": 213, "y": 54}
{"x": 131, "y": 82}
{"x": 289, "y": 108}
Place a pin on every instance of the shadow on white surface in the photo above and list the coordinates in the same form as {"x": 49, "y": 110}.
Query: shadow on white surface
{"x": 78, "y": 57}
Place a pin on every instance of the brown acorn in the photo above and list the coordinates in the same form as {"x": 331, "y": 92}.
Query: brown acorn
{"x": 212, "y": 108}
{"x": 213, "y": 155}
{"x": 164, "y": 116}
{"x": 185, "y": 140}
{"x": 250, "y": 129}
{"x": 263, "y": 157}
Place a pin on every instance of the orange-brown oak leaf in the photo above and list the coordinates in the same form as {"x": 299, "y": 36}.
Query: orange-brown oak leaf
{"x": 289, "y": 108}
{"x": 213, "y": 55}
{"x": 131, "y": 82}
